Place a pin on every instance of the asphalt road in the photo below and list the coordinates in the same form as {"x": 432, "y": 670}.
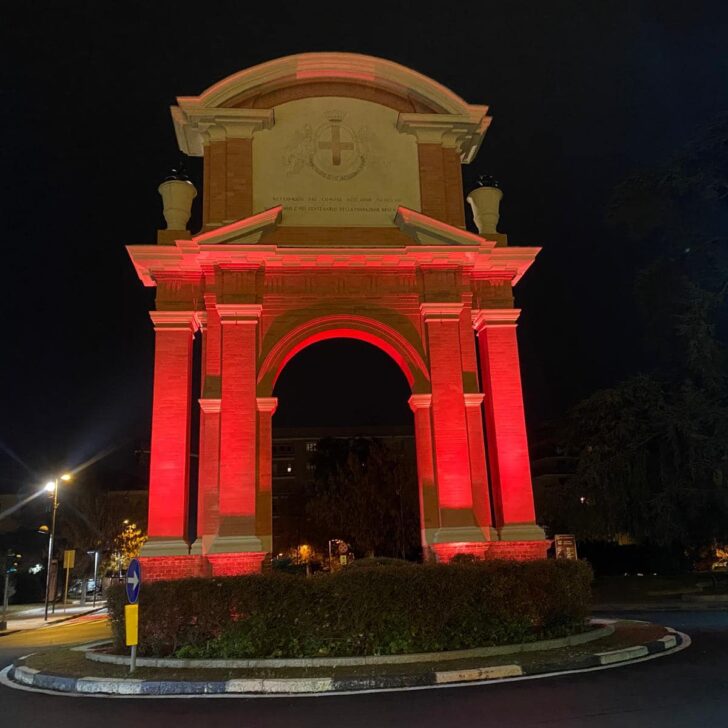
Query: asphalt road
{"x": 682, "y": 690}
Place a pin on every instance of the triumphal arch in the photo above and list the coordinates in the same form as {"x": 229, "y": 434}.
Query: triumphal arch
{"x": 333, "y": 206}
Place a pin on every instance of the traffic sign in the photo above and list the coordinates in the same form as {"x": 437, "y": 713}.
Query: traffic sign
{"x": 131, "y": 624}
{"x": 133, "y": 581}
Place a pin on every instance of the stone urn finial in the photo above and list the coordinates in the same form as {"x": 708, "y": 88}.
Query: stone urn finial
{"x": 177, "y": 194}
{"x": 485, "y": 202}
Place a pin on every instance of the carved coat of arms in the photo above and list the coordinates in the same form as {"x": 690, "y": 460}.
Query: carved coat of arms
{"x": 333, "y": 149}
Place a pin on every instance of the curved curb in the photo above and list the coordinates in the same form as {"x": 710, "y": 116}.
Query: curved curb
{"x": 30, "y": 678}
{"x": 603, "y": 629}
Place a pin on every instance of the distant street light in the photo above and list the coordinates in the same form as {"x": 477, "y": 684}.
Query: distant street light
{"x": 52, "y": 487}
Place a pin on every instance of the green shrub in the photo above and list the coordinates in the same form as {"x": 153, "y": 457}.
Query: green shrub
{"x": 383, "y": 610}
{"x": 378, "y": 561}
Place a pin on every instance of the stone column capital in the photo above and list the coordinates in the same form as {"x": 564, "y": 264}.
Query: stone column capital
{"x": 202, "y": 320}
{"x": 210, "y": 405}
{"x": 267, "y": 404}
{"x": 239, "y": 313}
{"x": 441, "y": 311}
{"x": 420, "y": 401}
{"x": 175, "y": 320}
{"x": 474, "y": 399}
{"x": 490, "y": 317}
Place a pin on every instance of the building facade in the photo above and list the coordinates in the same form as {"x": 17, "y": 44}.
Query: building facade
{"x": 333, "y": 207}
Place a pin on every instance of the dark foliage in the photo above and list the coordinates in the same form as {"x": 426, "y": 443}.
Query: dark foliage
{"x": 364, "y": 491}
{"x": 651, "y": 452}
{"x": 360, "y": 611}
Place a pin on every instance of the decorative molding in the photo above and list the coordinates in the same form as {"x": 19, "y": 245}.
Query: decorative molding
{"x": 420, "y": 401}
{"x": 351, "y": 67}
{"x": 209, "y": 405}
{"x": 463, "y": 132}
{"x": 483, "y": 318}
{"x": 195, "y": 126}
{"x": 427, "y": 230}
{"x": 441, "y": 311}
{"x": 474, "y": 399}
{"x": 240, "y": 313}
{"x": 174, "y": 320}
{"x": 247, "y": 231}
{"x": 267, "y": 404}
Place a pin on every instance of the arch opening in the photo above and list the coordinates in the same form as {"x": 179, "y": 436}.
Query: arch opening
{"x": 343, "y": 465}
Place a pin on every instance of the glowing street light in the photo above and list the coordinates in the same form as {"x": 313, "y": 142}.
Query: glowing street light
{"x": 52, "y": 487}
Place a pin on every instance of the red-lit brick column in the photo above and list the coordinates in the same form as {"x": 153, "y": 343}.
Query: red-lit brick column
{"x": 506, "y": 429}
{"x": 208, "y": 481}
{"x": 421, "y": 405}
{"x": 166, "y": 554}
{"x": 236, "y": 547}
{"x": 264, "y": 502}
{"x": 478, "y": 466}
{"x": 170, "y": 445}
{"x": 450, "y": 432}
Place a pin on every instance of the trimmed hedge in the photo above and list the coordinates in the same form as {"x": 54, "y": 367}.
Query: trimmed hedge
{"x": 363, "y": 611}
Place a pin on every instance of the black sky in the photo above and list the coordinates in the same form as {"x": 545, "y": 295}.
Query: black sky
{"x": 582, "y": 94}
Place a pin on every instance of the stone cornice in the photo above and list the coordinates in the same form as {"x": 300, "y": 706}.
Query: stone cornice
{"x": 267, "y": 404}
{"x": 195, "y": 126}
{"x": 349, "y": 67}
{"x": 151, "y": 261}
{"x": 491, "y": 317}
{"x": 174, "y": 320}
{"x": 463, "y": 132}
{"x": 420, "y": 401}
{"x": 240, "y": 313}
{"x": 441, "y": 311}
{"x": 474, "y": 399}
{"x": 242, "y": 232}
{"x": 427, "y": 230}
{"x": 210, "y": 405}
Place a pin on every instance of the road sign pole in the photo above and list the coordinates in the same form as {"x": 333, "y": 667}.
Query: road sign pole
{"x": 96, "y": 573}
{"x": 131, "y": 610}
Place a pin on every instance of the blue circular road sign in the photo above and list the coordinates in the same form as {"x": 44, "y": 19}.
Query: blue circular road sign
{"x": 133, "y": 581}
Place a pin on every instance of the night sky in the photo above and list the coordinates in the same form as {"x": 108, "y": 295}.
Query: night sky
{"x": 582, "y": 95}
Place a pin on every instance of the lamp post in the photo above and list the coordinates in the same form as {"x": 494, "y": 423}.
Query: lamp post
{"x": 52, "y": 486}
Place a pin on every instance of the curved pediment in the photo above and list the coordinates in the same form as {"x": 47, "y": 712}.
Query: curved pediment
{"x": 337, "y": 140}
{"x": 331, "y": 74}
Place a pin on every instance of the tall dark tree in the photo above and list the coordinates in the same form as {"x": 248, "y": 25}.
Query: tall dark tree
{"x": 652, "y": 453}
{"x": 365, "y": 491}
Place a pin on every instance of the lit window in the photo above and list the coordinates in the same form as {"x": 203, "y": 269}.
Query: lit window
{"x": 310, "y": 447}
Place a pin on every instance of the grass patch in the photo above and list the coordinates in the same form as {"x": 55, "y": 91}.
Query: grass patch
{"x": 74, "y": 664}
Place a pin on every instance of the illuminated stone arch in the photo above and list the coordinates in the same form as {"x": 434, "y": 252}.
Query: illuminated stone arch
{"x": 344, "y": 326}
{"x": 332, "y": 205}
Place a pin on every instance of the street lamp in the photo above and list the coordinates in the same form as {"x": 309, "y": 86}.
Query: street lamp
{"x": 52, "y": 487}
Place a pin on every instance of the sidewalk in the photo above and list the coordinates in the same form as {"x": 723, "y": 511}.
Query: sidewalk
{"x": 31, "y": 616}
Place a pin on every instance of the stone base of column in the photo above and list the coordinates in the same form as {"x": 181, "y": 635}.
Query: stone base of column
{"x": 518, "y": 550}
{"x": 202, "y": 545}
{"x": 445, "y": 552}
{"x": 235, "y": 544}
{"x": 490, "y": 550}
{"x": 166, "y": 568}
{"x": 165, "y": 547}
{"x": 463, "y": 534}
{"x": 521, "y": 532}
{"x": 234, "y": 564}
